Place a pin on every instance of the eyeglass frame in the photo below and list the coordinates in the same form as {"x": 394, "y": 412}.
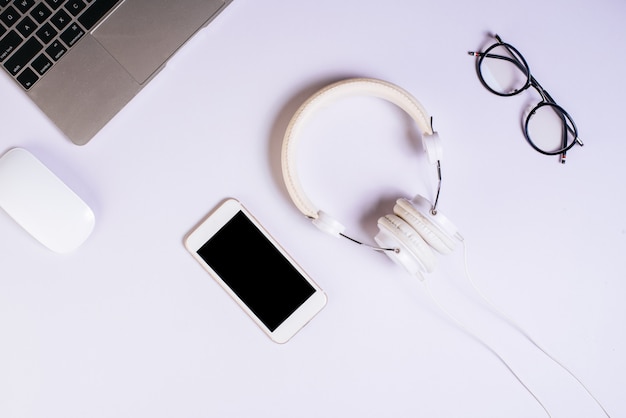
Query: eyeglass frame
{"x": 531, "y": 81}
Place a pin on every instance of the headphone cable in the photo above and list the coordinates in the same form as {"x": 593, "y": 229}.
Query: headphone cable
{"x": 525, "y": 334}
{"x": 484, "y": 344}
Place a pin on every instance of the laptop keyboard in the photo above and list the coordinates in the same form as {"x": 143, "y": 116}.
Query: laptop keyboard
{"x": 35, "y": 34}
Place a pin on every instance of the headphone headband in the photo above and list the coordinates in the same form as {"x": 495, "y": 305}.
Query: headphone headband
{"x": 345, "y": 88}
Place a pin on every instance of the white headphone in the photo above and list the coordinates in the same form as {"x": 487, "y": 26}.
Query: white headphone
{"x": 415, "y": 228}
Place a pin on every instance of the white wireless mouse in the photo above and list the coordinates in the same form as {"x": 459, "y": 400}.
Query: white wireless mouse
{"x": 41, "y": 203}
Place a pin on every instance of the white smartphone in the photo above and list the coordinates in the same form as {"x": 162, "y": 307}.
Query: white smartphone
{"x": 255, "y": 271}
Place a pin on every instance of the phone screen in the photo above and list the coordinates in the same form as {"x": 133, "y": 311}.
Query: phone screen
{"x": 256, "y": 271}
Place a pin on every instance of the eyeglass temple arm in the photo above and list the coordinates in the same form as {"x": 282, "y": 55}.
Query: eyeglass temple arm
{"x": 514, "y": 60}
{"x": 518, "y": 64}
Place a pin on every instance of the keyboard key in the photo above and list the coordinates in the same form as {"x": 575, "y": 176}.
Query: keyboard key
{"x": 72, "y": 35}
{"x": 46, "y": 33}
{"x": 4, "y": 3}
{"x": 27, "y": 78}
{"x": 8, "y": 44}
{"x": 40, "y": 13}
{"x": 41, "y": 64}
{"x": 24, "y": 5}
{"x": 23, "y": 55}
{"x": 75, "y": 7}
{"x": 26, "y": 26}
{"x": 54, "y": 4}
{"x": 61, "y": 19}
{"x": 56, "y": 50}
{"x": 95, "y": 12}
{"x": 10, "y": 16}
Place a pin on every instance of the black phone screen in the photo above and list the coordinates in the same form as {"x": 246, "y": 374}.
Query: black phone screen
{"x": 256, "y": 271}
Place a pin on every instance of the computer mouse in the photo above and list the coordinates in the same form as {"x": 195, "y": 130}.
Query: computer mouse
{"x": 42, "y": 204}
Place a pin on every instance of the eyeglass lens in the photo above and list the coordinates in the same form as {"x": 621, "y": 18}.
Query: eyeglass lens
{"x": 549, "y": 129}
{"x": 503, "y": 70}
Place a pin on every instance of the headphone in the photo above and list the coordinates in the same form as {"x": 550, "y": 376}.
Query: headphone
{"x": 415, "y": 230}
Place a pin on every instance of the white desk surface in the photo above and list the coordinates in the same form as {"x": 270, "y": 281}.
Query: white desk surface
{"x": 131, "y": 326}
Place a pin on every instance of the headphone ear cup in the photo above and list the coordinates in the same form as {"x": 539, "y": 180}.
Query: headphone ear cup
{"x": 433, "y": 235}
{"x": 414, "y": 253}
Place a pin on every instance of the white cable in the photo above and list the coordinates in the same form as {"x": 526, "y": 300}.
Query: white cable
{"x": 515, "y": 325}
{"x": 484, "y": 344}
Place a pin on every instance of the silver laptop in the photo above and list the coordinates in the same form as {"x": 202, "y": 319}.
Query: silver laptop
{"x": 81, "y": 61}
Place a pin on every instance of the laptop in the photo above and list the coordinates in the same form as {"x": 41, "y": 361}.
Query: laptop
{"x": 82, "y": 61}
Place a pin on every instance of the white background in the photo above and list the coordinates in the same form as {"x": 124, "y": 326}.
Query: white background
{"x": 131, "y": 326}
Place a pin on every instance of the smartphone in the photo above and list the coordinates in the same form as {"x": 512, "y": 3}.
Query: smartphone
{"x": 255, "y": 271}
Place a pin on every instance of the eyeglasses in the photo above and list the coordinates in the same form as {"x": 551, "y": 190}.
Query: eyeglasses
{"x": 548, "y": 128}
